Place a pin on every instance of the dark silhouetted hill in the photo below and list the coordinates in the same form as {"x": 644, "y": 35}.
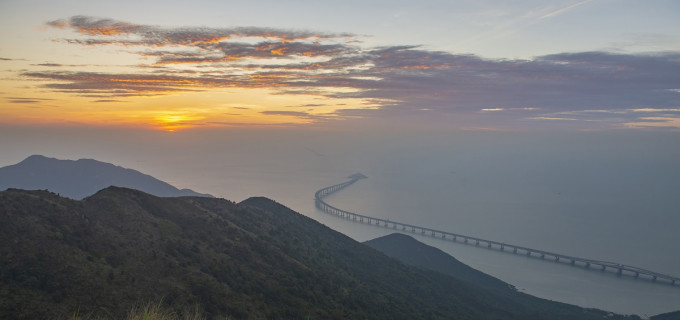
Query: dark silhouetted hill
{"x": 253, "y": 260}
{"x": 413, "y": 252}
{"x": 81, "y": 178}
{"x": 667, "y": 316}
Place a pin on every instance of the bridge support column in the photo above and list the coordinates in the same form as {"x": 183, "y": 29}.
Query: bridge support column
{"x": 604, "y": 268}
{"x": 514, "y": 250}
{"x": 572, "y": 262}
{"x": 637, "y": 274}
{"x": 557, "y": 259}
{"x": 587, "y": 265}
{"x": 619, "y": 272}
{"x": 489, "y": 245}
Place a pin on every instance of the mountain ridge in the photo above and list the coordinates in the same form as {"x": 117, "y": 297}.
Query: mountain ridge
{"x": 256, "y": 259}
{"x": 413, "y": 252}
{"x": 80, "y": 178}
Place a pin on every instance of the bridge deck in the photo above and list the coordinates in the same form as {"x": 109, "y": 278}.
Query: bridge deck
{"x": 620, "y": 269}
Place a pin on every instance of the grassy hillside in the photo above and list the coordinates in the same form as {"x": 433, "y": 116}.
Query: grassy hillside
{"x": 255, "y": 260}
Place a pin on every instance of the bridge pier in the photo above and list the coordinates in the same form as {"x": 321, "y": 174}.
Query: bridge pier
{"x": 619, "y": 272}
{"x": 514, "y": 250}
{"x": 587, "y": 265}
{"x": 557, "y": 259}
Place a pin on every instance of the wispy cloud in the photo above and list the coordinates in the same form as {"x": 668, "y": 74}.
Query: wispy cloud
{"x": 22, "y": 100}
{"x": 399, "y": 80}
{"x": 560, "y": 10}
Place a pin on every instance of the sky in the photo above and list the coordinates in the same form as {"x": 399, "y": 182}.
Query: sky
{"x": 570, "y": 65}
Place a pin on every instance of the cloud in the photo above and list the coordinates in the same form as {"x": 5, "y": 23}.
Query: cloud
{"x": 22, "y": 100}
{"x": 559, "y": 11}
{"x": 286, "y": 113}
{"x": 403, "y": 80}
{"x": 195, "y": 36}
{"x": 48, "y": 65}
{"x": 108, "y": 100}
{"x": 102, "y": 84}
{"x": 301, "y": 115}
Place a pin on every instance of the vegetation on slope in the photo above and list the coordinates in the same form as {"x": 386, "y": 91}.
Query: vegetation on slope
{"x": 254, "y": 260}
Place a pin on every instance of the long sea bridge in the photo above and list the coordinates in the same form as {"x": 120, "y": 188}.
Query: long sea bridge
{"x": 618, "y": 268}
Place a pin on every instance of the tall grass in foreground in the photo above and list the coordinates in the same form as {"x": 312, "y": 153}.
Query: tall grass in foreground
{"x": 151, "y": 312}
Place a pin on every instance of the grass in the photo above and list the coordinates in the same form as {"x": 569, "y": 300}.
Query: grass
{"x": 150, "y": 312}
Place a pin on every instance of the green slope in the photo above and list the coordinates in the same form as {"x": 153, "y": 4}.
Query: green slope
{"x": 254, "y": 260}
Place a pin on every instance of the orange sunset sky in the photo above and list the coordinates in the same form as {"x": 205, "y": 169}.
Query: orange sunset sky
{"x": 488, "y": 65}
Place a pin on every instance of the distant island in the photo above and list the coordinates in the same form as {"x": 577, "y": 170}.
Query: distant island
{"x": 81, "y": 178}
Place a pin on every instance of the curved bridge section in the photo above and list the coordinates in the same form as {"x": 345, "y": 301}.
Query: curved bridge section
{"x": 619, "y": 269}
